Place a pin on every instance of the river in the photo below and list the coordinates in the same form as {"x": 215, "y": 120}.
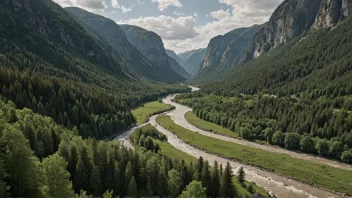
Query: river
{"x": 274, "y": 184}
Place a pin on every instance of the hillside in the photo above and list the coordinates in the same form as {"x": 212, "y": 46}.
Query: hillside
{"x": 151, "y": 46}
{"x": 108, "y": 32}
{"x": 317, "y": 60}
{"x": 50, "y": 64}
{"x": 185, "y": 55}
{"x": 173, "y": 55}
{"x": 193, "y": 63}
{"x": 225, "y": 52}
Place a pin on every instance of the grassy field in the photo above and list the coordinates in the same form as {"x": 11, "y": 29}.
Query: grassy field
{"x": 309, "y": 172}
{"x": 167, "y": 149}
{"x": 208, "y": 126}
{"x": 143, "y": 112}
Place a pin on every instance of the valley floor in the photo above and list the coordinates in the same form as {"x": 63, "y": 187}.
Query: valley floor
{"x": 278, "y": 185}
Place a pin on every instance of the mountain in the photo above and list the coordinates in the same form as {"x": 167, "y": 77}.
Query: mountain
{"x": 51, "y": 64}
{"x": 331, "y": 12}
{"x": 151, "y": 45}
{"x": 193, "y": 63}
{"x": 108, "y": 32}
{"x": 225, "y": 52}
{"x": 173, "y": 55}
{"x": 317, "y": 62}
{"x": 185, "y": 55}
{"x": 290, "y": 19}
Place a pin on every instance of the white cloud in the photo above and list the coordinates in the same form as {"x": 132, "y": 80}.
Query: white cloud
{"x": 167, "y": 27}
{"x": 195, "y": 14}
{"x": 115, "y": 4}
{"x": 220, "y": 14}
{"x": 164, "y": 4}
{"x": 92, "y": 5}
{"x": 124, "y": 10}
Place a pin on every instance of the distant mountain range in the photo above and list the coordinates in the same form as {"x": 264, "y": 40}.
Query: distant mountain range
{"x": 151, "y": 46}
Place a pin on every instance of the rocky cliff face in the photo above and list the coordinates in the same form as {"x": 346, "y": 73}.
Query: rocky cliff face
{"x": 194, "y": 63}
{"x": 290, "y": 19}
{"x": 173, "y": 55}
{"x": 187, "y": 54}
{"x": 227, "y": 51}
{"x": 331, "y": 12}
{"x": 151, "y": 46}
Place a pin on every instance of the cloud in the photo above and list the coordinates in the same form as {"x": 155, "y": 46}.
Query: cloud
{"x": 85, "y": 4}
{"x": 195, "y": 14}
{"x": 116, "y": 5}
{"x": 220, "y": 14}
{"x": 124, "y": 10}
{"x": 164, "y": 4}
{"x": 167, "y": 27}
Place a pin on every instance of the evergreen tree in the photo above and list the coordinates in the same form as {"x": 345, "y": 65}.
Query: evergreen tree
{"x": 95, "y": 182}
{"x": 132, "y": 188}
{"x": 215, "y": 181}
{"x": 241, "y": 175}
{"x": 227, "y": 188}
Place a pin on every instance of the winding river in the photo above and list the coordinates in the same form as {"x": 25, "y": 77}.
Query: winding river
{"x": 274, "y": 184}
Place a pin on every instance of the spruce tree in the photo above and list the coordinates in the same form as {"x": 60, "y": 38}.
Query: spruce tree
{"x": 227, "y": 187}
{"x": 241, "y": 175}
{"x": 132, "y": 188}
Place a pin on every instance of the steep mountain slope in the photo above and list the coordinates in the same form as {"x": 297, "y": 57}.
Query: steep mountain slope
{"x": 318, "y": 62}
{"x": 51, "y": 64}
{"x": 185, "y": 55}
{"x": 193, "y": 63}
{"x": 107, "y": 31}
{"x": 151, "y": 46}
{"x": 331, "y": 12}
{"x": 225, "y": 52}
{"x": 173, "y": 55}
{"x": 290, "y": 19}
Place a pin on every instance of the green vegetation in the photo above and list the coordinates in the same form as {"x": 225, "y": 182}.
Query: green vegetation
{"x": 303, "y": 125}
{"x": 309, "y": 172}
{"x": 143, "y": 112}
{"x": 208, "y": 126}
{"x": 141, "y": 137}
{"x": 69, "y": 75}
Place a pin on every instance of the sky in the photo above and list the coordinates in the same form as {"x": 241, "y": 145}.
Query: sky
{"x": 182, "y": 24}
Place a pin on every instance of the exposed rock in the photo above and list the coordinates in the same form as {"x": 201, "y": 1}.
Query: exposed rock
{"x": 187, "y": 54}
{"x": 227, "y": 51}
{"x": 331, "y": 12}
{"x": 290, "y": 19}
{"x": 194, "y": 63}
{"x": 151, "y": 46}
{"x": 173, "y": 55}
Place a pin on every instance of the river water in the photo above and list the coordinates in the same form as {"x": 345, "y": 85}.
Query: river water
{"x": 274, "y": 184}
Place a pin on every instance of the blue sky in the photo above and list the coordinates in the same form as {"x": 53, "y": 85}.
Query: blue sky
{"x": 183, "y": 24}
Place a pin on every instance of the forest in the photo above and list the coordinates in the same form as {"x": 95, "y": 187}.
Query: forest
{"x": 40, "y": 158}
{"x": 320, "y": 126}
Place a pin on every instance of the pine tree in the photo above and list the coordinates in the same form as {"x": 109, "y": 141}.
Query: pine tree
{"x": 215, "y": 181}
{"x": 132, "y": 188}
{"x": 227, "y": 187}
{"x": 95, "y": 182}
{"x": 206, "y": 177}
{"x": 241, "y": 175}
